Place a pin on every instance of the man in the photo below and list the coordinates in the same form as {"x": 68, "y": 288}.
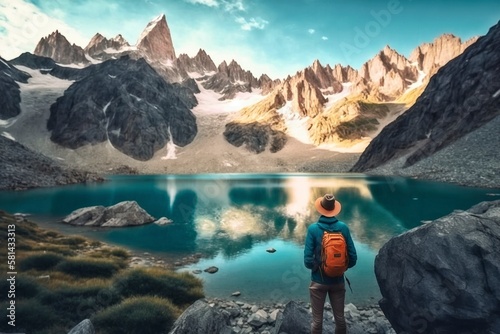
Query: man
{"x": 321, "y": 284}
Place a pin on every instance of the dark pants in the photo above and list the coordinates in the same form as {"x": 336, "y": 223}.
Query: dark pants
{"x": 336, "y": 293}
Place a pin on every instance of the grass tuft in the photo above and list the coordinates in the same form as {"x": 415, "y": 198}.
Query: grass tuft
{"x": 146, "y": 315}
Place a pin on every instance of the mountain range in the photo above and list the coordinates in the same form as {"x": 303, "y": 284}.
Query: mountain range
{"x": 140, "y": 97}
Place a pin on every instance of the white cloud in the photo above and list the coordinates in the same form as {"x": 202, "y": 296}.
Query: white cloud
{"x": 252, "y": 23}
{"x": 209, "y": 3}
{"x": 23, "y": 25}
{"x": 324, "y": 38}
{"x": 311, "y": 31}
{"x": 233, "y": 5}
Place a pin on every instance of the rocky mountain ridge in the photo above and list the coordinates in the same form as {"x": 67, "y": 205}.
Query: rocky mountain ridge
{"x": 318, "y": 95}
{"x": 57, "y": 47}
{"x": 461, "y": 97}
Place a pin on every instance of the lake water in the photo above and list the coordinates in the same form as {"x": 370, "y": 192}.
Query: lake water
{"x": 233, "y": 218}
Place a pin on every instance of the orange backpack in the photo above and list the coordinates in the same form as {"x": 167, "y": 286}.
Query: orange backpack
{"x": 334, "y": 259}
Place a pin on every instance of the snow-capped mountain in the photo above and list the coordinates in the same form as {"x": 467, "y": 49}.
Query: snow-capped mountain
{"x": 320, "y": 105}
{"x": 100, "y": 45}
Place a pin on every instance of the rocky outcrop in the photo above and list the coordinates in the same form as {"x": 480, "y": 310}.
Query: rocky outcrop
{"x": 57, "y": 47}
{"x": 228, "y": 316}
{"x": 200, "y": 318}
{"x": 201, "y": 63}
{"x": 126, "y": 103}
{"x": 463, "y": 96}
{"x": 155, "y": 42}
{"x": 35, "y": 62}
{"x": 21, "y": 168}
{"x": 386, "y": 76}
{"x": 84, "y": 327}
{"x": 429, "y": 57}
{"x": 229, "y": 80}
{"x": 100, "y": 45}
{"x": 444, "y": 276}
{"x": 10, "y": 95}
{"x": 255, "y": 137}
{"x": 127, "y": 213}
{"x": 347, "y": 120}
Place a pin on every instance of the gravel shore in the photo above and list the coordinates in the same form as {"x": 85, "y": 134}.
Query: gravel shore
{"x": 472, "y": 161}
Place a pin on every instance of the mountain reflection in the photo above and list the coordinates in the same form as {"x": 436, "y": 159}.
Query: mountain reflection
{"x": 258, "y": 210}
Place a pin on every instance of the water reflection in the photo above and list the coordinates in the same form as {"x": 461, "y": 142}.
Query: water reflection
{"x": 231, "y": 219}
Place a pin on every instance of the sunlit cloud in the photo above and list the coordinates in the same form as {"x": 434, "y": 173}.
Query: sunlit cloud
{"x": 252, "y": 23}
{"x": 23, "y": 25}
{"x": 311, "y": 31}
{"x": 324, "y": 38}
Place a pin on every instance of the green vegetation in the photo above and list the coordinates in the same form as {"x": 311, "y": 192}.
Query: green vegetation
{"x": 146, "y": 315}
{"x": 63, "y": 280}
{"x": 40, "y": 261}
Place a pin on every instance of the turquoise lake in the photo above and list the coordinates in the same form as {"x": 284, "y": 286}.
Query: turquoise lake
{"x": 233, "y": 218}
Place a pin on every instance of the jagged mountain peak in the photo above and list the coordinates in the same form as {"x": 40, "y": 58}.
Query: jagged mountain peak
{"x": 431, "y": 56}
{"x": 57, "y": 47}
{"x": 155, "y": 41}
{"x": 119, "y": 38}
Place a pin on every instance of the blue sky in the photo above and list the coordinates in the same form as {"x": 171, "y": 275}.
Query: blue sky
{"x": 276, "y": 37}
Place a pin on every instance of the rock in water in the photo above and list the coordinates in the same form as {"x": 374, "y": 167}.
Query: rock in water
{"x": 127, "y": 213}
{"x": 444, "y": 276}
{"x": 211, "y": 270}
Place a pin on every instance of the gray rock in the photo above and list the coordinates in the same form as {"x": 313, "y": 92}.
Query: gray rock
{"x": 211, "y": 270}
{"x": 255, "y": 136}
{"x": 21, "y": 168}
{"x": 84, "y": 327}
{"x": 200, "y": 318}
{"x": 127, "y": 213}
{"x": 163, "y": 221}
{"x": 444, "y": 277}
{"x": 9, "y": 89}
{"x": 258, "y": 319}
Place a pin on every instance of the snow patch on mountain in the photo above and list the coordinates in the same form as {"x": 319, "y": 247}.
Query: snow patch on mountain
{"x": 209, "y": 104}
{"x": 296, "y": 125}
{"x": 333, "y": 98}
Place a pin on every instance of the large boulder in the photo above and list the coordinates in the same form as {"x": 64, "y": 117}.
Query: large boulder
{"x": 201, "y": 318}
{"x": 127, "y": 213}
{"x": 84, "y": 327}
{"x": 296, "y": 319}
{"x": 444, "y": 276}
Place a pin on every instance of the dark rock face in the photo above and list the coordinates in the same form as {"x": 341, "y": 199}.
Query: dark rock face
{"x": 461, "y": 97}
{"x": 10, "y": 96}
{"x": 229, "y": 80}
{"x": 255, "y": 136}
{"x": 21, "y": 168}
{"x": 444, "y": 277}
{"x": 57, "y": 47}
{"x": 126, "y": 102}
{"x": 33, "y": 61}
{"x": 200, "y": 318}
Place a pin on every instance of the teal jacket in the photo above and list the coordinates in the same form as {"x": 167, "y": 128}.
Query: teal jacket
{"x": 312, "y": 249}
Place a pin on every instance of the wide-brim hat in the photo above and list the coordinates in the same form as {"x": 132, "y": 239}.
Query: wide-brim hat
{"x": 328, "y": 206}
